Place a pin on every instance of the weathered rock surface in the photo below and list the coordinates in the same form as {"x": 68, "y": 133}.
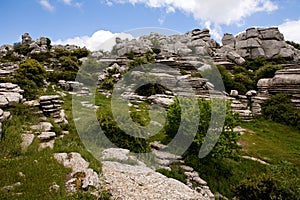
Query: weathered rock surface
{"x": 10, "y": 94}
{"x": 52, "y": 106}
{"x": 81, "y": 177}
{"x": 259, "y": 42}
{"x": 136, "y": 181}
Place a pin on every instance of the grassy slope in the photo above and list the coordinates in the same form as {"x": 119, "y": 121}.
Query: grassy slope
{"x": 40, "y": 168}
{"x": 272, "y": 142}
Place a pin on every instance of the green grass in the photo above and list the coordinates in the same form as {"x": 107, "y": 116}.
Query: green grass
{"x": 272, "y": 142}
{"x": 40, "y": 168}
{"x": 275, "y": 143}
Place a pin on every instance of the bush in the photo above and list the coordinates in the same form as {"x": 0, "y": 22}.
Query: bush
{"x": 62, "y": 75}
{"x": 227, "y": 142}
{"x": 279, "y": 108}
{"x": 80, "y": 53}
{"x": 267, "y": 71}
{"x": 151, "y": 89}
{"x": 271, "y": 185}
{"x": 31, "y": 70}
{"x": 30, "y": 77}
{"x": 22, "y": 49}
{"x": 69, "y": 63}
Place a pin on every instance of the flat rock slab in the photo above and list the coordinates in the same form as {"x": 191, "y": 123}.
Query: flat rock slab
{"x": 140, "y": 183}
{"x": 45, "y": 136}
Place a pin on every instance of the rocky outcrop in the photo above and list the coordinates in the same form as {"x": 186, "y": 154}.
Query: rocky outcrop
{"x": 7, "y": 69}
{"x": 82, "y": 177}
{"x": 51, "y": 106}
{"x": 10, "y": 94}
{"x": 26, "y": 39}
{"x": 259, "y": 42}
{"x": 285, "y": 81}
{"x": 136, "y": 181}
{"x": 196, "y": 42}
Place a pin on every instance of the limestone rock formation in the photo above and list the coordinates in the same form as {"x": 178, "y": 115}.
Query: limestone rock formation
{"x": 136, "y": 181}
{"x": 285, "y": 81}
{"x": 81, "y": 177}
{"x": 51, "y": 106}
{"x": 259, "y": 42}
{"x": 10, "y": 94}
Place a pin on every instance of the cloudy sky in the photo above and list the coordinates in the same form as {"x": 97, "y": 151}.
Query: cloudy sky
{"x": 90, "y": 22}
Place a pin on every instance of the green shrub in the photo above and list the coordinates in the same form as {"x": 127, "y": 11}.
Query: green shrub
{"x": 42, "y": 56}
{"x": 62, "y": 75}
{"x": 176, "y": 172}
{"x": 267, "y": 71}
{"x": 30, "y": 76}
{"x": 69, "y": 63}
{"x": 227, "y": 142}
{"x": 151, "y": 89}
{"x": 80, "y": 53}
{"x": 22, "y": 49}
{"x": 279, "y": 108}
{"x": 271, "y": 185}
{"x": 294, "y": 44}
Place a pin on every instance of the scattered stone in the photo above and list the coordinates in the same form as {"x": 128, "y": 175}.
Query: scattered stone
{"x": 46, "y": 136}
{"x": 256, "y": 159}
{"x": 27, "y": 140}
{"x": 46, "y": 144}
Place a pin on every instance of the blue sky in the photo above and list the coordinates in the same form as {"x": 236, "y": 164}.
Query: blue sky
{"x": 85, "y": 22}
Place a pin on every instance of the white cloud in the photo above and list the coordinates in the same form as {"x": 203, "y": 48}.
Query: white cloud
{"x": 214, "y": 12}
{"x": 291, "y": 30}
{"x": 68, "y": 2}
{"x": 100, "y": 40}
{"x": 46, "y": 4}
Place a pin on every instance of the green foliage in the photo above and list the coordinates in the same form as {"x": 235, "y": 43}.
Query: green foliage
{"x": 80, "y": 53}
{"x": 294, "y": 44}
{"x": 10, "y": 57}
{"x": 266, "y": 71}
{"x": 271, "y": 185}
{"x": 176, "y": 172}
{"x": 255, "y": 64}
{"x": 69, "y": 63}
{"x": 147, "y": 58}
{"x": 48, "y": 44}
{"x": 151, "y": 89}
{"x": 62, "y": 75}
{"x": 42, "y": 56}
{"x": 115, "y": 134}
{"x": 30, "y": 76}
{"x": 227, "y": 142}
{"x": 22, "y": 49}
{"x": 156, "y": 50}
{"x": 59, "y": 52}
{"x": 183, "y": 72}
{"x": 279, "y": 108}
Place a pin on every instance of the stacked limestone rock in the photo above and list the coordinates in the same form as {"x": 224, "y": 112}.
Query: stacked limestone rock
{"x": 195, "y": 42}
{"x": 51, "y": 106}
{"x": 259, "y": 42}
{"x": 285, "y": 81}
{"x": 7, "y": 69}
{"x": 10, "y": 94}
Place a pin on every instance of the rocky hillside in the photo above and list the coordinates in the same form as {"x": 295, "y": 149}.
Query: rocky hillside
{"x": 38, "y": 82}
